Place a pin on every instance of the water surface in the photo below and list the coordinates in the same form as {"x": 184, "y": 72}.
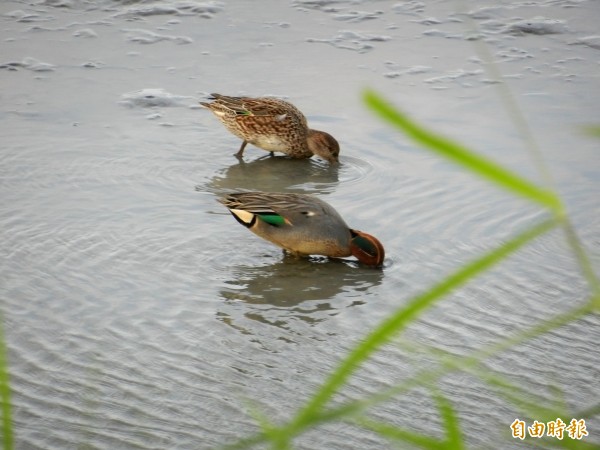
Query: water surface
{"x": 140, "y": 315}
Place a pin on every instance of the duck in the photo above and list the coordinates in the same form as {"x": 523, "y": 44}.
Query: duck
{"x": 273, "y": 125}
{"x": 302, "y": 225}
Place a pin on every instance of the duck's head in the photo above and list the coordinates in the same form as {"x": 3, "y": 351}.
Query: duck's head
{"x": 366, "y": 248}
{"x": 324, "y": 146}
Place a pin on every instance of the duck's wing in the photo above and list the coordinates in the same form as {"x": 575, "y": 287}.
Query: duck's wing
{"x": 274, "y": 208}
{"x": 249, "y": 106}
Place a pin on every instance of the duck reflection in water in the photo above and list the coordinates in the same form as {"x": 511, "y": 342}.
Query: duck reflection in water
{"x": 311, "y": 290}
{"x": 275, "y": 174}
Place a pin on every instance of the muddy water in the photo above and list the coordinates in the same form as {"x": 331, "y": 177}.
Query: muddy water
{"x": 139, "y": 315}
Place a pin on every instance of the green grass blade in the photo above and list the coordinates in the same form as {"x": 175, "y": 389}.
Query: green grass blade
{"x": 246, "y": 443}
{"x": 399, "y": 434}
{"x": 537, "y": 330}
{"x": 405, "y": 315}
{"x": 584, "y": 262}
{"x": 454, "y": 439}
{"x": 528, "y": 403}
{"x": 568, "y": 443}
{"x": 451, "y": 363}
{"x": 313, "y": 414}
{"x": 589, "y": 412}
{"x": 5, "y": 393}
{"x": 592, "y": 130}
{"x": 459, "y": 154}
{"x": 270, "y": 433}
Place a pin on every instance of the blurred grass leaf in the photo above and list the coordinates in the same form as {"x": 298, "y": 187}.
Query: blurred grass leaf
{"x": 454, "y": 440}
{"x": 393, "y": 433}
{"x": 397, "y": 321}
{"x": 7, "y": 431}
{"x": 592, "y": 130}
{"x": 461, "y": 155}
{"x": 315, "y": 412}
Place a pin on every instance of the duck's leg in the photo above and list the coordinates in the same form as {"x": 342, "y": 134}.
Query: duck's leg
{"x": 240, "y": 152}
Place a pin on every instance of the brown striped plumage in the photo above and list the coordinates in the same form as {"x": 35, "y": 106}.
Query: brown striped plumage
{"x": 273, "y": 125}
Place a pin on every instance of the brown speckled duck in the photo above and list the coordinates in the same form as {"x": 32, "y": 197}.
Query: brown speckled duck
{"x": 273, "y": 125}
{"x": 302, "y": 225}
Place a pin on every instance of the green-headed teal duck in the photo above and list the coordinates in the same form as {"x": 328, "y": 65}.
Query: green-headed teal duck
{"x": 273, "y": 125}
{"x": 302, "y": 225}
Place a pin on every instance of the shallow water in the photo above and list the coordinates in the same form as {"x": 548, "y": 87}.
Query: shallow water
{"x": 138, "y": 314}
